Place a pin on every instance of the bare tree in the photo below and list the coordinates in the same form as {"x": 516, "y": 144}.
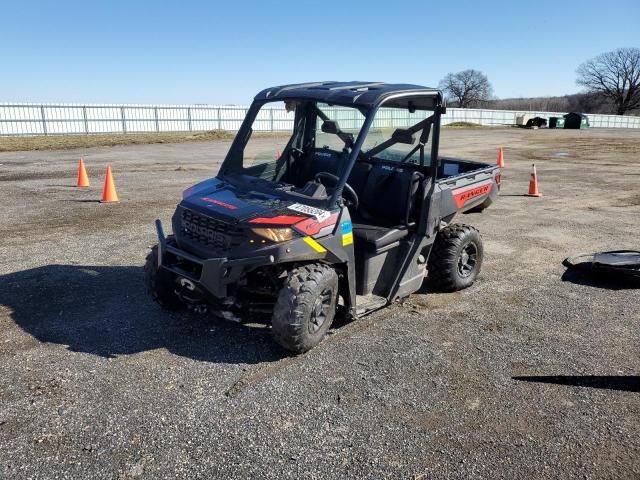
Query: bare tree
{"x": 468, "y": 88}
{"x": 577, "y": 102}
{"x": 614, "y": 75}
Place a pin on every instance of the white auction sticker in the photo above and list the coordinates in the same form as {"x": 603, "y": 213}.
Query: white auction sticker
{"x": 318, "y": 213}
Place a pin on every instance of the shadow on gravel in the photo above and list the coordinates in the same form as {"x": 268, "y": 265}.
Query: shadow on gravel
{"x": 630, "y": 383}
{"x": 106, "y": 311}
{"x": 598, "y": 279}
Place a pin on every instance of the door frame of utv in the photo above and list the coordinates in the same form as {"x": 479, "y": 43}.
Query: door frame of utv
{"x": 407, "y": 280}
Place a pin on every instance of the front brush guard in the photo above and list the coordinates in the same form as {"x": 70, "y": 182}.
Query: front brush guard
{"x": 212, "y": 275}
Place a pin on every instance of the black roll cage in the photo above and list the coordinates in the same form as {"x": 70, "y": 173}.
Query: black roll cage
{"x": 370, "y": 113}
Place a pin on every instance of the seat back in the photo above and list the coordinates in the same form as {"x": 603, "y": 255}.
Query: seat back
{"x": 320, "y": 160}
{"x": 390, "y": 194}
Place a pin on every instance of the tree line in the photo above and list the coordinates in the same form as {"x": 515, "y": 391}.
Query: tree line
{"x": 611, "y": 83}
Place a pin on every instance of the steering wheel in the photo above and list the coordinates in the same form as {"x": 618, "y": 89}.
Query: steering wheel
{"x": 347, "y": 188}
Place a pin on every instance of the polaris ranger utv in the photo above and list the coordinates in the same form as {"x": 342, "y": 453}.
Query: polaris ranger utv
{"x": 349, "y": 216}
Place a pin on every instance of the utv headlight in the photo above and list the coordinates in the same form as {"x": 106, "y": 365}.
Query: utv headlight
{"x": 274, "y": 234}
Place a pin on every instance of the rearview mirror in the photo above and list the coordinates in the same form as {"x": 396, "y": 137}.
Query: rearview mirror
{"x": 329, "y": 126}
{"x": 401, "y": 135}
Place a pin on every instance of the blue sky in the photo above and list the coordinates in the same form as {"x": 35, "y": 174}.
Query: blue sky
{"x": 224, "y": 52}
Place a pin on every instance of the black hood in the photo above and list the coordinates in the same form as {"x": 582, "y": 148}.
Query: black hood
{"x": 222, "y": 200}
{"x": 216, "y": 217}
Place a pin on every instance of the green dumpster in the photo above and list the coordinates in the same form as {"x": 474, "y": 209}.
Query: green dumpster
{"x": 576, "y": 120}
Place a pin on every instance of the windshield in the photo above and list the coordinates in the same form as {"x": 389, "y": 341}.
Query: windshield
{"x": 285, "y": 137}
{"x": 284, "y": 146}
{"x": 271, "y": 131}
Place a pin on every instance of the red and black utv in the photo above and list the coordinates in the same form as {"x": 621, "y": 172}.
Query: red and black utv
{"x": 352, "y": 214}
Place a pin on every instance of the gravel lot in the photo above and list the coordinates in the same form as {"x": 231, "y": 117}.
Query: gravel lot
{"x": 98, "y": 382}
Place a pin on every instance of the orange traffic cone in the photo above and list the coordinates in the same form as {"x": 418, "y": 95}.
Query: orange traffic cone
{"x": 533, "y": 183}
{"x": 109, "y": 191}
{"x": 83, "y": 178}
{"x": 500, "y": 161}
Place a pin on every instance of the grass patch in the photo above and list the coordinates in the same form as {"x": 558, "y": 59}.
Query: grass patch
{"x": 66, "y": 142}
{"x": 463, "y": 125}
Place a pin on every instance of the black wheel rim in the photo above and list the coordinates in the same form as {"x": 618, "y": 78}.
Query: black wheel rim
{"x": 320, "y": 311}
{"x": 467, "y": 260}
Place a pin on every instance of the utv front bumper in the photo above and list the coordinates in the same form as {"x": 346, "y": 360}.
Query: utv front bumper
{"x": 212, "y": 275}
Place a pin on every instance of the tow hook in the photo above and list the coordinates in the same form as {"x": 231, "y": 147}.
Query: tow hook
{"x": 188, "y": 284}
{"x": 188, "y": 293}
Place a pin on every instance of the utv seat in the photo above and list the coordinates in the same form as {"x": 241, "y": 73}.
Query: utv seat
{"x": 388, "y": 196}
{"x": 321, "y": 160}
{"x": 375, "y": 238}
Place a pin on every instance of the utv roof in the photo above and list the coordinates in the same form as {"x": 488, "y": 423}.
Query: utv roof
{"x": 360, "y": 94}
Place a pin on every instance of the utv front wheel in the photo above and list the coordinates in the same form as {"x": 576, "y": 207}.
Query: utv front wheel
{"x": 158, "y": 283}
{"x": 456, "y": 258}
{"x": 305, "y": 307}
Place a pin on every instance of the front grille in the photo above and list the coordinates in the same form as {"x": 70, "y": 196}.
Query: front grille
{"x": 210, "y": 232}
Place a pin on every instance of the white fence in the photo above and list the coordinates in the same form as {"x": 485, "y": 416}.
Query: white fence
{"x": 61, "y": 119}
{"x": 508, "y": 117}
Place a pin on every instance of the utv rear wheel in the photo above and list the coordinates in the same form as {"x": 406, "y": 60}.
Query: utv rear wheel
{"x": 306, "y": 307}
{"x": 456, "y": 258}
{"x": 159, "y": 283}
